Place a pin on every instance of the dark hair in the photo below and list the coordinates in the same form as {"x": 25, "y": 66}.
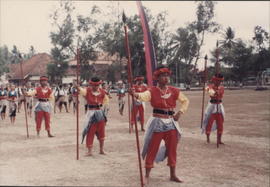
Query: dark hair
{"x": 219, "y": 75}
{"x": 95, "y": 79}
{"x": 161, "y": 66}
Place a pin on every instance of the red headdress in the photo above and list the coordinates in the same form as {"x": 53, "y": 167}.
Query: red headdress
{"x": 160, "y": 71}
{"x": 217, "y": 77}
{"x": 139, "y": 78}
{"x": 43, "y": 78}
{"x": 95, "y": 82}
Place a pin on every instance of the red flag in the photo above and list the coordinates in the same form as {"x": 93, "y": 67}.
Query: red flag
{"x": 150, "y": 56}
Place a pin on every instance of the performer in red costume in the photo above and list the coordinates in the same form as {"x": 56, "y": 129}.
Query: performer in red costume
{"x": 43, "y": 107}
{"x": 95, "y": 118}
{"x": 214, "y": 113}
{"x": 163, "y": 124}
{"x": 138, "y": 87}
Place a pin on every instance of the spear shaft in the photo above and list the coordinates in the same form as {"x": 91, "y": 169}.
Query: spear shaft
{"x": 77, "y": 104}
{"x": 24, "y": 100}
{"x": 204, "y": 81}
{"x": 130, "y": 78}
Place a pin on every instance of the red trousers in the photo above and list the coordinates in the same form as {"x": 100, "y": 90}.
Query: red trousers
{"x": 170, "y": 138}
{"x": 135, "y": 111}
{"x": 97, "y": 128}
{"x": 39, "y": 116}
{"x": 219, "y": 120}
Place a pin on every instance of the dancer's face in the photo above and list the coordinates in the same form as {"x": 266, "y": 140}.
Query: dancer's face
{"x": 217, "y": 83}
{"x": 43, "y": 83}
{"x": 163, "y": 78}
{"x": 95, "y": 87}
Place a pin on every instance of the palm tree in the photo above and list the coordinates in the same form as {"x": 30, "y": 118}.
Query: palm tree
{"x": 228, "y": 39}
{"x": 227, "y": 45}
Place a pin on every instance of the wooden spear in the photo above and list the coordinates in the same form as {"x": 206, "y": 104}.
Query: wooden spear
{"x": 24, "y": 103}
{"x": 217, "y": 70}
{"x": 130, "y": 78}
{"x": 204, "y": 81}
{"x": 77, "y": 102}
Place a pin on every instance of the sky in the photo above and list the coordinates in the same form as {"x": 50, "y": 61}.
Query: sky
{"x": 26, "y": 22}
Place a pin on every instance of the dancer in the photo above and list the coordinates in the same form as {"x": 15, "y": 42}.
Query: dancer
{"x": 163, "y": 124}
{"x": 95, "y": 118}
{"x": 214, "y": 113}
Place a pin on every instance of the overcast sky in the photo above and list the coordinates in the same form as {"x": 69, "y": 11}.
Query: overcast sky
{"x": 26, "y": 22}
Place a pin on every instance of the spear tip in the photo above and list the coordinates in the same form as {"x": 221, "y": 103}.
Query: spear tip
{"x": 124, "y": 18}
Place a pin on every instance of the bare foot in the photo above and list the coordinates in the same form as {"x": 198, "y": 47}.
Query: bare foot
{"x": 102, "y": 153}
{"x": 175, "y": 179}
{"x": 146, "y": 181}
{"x": 88, "y": 154}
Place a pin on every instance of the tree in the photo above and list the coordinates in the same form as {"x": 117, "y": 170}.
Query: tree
{"x": 261, "y": 37}
{"x": 228, "y": 38}
{"x": 261, "y": 59}
{"x": 15, "y": 59}
{"x": 87, "y": 32}
{"x": 242, "y": 55}
{"x": 203, "y": 25}
{"x": 111, "y": 35}
{"x": 5, "y": 59}
{"x": 71, "y": 35}
{"x": 184, "y": 46}
{"x": 62, "y": 40}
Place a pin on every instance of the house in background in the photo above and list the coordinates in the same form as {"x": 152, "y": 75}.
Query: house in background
{"x": 101, "y": 67}
{"x": 36, "y": 66}
{"x": 32, "y": 68}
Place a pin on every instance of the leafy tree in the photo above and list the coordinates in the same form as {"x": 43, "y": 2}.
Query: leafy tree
{"x": 87, "y": 32}
{"x": 15, "y": 59}
{"x": 261, "y": 59}
{"x": 111, "y": 35}
{"x": 261, "y": 37}
{"x": 203, "y": 25}
{"x": 62, "y": 39}
{"x": 228, "y": 38}
{"x": 184, "y": 45}
{"x": 5, "y": 58}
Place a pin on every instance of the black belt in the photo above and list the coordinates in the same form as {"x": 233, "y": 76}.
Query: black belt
{"x": 215, "y": 101}
{"x": 94, "y": 106}
{"x": 43, "y": 100}
{"x": 158, "y": 111}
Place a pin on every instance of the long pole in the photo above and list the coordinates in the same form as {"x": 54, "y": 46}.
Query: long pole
{"x": 24, "y": 103}
{"x": 130, "y": 78}
{"x": 77, "y": 103}
{"x": 217, "y": 68}
{"x": 204, "y": 81}
{"x": 129, "y": 115}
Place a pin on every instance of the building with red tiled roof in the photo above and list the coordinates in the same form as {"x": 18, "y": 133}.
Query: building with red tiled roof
{"x": 36, "y": 66}
{"x": 101, "y": 66}
{"x": 32, "y": 68}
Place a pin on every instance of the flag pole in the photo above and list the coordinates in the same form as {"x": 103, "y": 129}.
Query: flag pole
{"x": 130, "y": 78}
